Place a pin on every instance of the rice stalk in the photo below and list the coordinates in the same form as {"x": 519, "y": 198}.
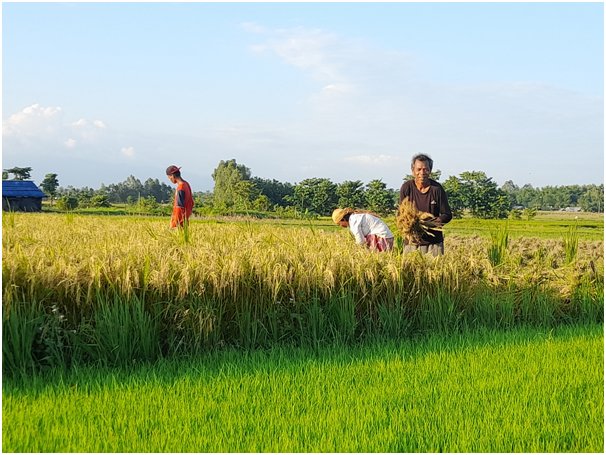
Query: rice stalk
{"x": 245, "y": 288}
{"x": 413, "y": 223}
{"x": 497, "y": 249}
{"x": 571, "y": 243}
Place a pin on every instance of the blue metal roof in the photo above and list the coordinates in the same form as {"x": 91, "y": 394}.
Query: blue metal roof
{"x": 21, "y": 188}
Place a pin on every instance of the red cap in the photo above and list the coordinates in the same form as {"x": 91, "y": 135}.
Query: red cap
{"x": 170, "y": 170}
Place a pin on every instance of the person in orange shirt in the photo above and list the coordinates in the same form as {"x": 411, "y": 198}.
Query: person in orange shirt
{"x": 184, "y": 201}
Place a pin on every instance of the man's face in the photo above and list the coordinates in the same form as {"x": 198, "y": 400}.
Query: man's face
{"x": 421, "y": 171}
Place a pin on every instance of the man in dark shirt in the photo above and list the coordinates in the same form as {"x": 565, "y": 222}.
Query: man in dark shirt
{"x": 428, "y": 196}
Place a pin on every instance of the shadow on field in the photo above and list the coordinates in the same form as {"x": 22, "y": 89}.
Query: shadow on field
{"x": 236, "y": 362}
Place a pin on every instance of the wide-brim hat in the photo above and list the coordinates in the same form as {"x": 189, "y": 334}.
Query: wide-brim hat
{"x": 339, "y": 214}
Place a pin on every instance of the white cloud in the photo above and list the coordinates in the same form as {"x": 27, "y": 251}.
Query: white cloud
{"x": 32, "y": 120}
{"x": 316, "y": 52}
{"x": 45, "y": 125}
{"x": 368, "y": 111}
{"x": 353, "y": 77}
{"x": 128, "y": 151}
{"x": 39, "y": 111}
{"x": 45, "y": 139}
{"x": 80, "y": 123}
{"x": 374, "y": 100}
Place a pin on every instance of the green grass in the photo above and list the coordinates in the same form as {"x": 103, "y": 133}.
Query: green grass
{"x": 526, "y": 390}
{"x": 546, "y": 225}
{"x": 572, "y": 216}
{"x": 589, "y": 228}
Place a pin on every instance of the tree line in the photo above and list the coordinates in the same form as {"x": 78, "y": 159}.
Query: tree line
{"x": 236, "y": 190}
{"x": 470, "y": 192}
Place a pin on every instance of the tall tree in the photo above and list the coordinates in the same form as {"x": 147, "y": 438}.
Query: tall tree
{"x": 351, "y": 194}
{"x": 274, "y": 190}
{"x": 481, "y": 195}
{"x": 161, "y": 192}
{"x": 379, "y": 198}
{"x": 592, "y": 199}
{"x": 317, "y": 195}
{"x": 20, "y": 173}
{"x": 511, "y": 189}
{"x": 528, "y": 196}
{"x": 129, "y": 190}
{"x": 554, "y": 198}
{"x": 49, "y": 185}
{"x": 456, "y": 199}
{"x": 233, "y": 188}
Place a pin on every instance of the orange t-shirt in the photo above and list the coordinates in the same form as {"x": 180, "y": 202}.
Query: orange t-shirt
{"x": 184, "y": 204}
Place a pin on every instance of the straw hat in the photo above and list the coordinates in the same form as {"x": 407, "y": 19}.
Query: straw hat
{"x": 338, "y": 214}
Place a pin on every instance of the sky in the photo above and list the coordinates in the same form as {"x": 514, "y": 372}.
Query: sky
{"x": 95, "y": 92}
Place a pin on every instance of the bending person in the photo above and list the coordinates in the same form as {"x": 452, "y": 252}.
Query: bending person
{"x": 367, "y": 228}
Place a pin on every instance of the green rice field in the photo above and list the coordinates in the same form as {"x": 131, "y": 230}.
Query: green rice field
{"x": 240, "y": 335}
{"x": 524, "y": 390}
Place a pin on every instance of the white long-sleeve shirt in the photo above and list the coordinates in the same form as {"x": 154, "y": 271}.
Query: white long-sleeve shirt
{"x": 363, "y": 224}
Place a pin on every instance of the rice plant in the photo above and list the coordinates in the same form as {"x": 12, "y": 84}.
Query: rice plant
{"x": 571, "y": 243}
{"x": 412, "y": 223}
{"x": 8, "y": 219}
{"x": 255, "y": 284}
{"x": 20, "y": 325}
{"x": 523, "y": 390}
{"x": 499, "y": 241}
{"x": 137, "y": 338}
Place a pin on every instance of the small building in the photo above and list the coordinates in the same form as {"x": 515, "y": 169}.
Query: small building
{"x": 21, "y": 196}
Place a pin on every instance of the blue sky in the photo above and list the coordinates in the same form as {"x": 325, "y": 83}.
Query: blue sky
{"x": 96, "y": 92}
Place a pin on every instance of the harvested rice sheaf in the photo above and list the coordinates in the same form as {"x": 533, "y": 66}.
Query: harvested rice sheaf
{"x": 413, "y": 223}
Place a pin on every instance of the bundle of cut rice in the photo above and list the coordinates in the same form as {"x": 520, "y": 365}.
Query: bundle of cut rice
{"x": 413, "y": 223}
